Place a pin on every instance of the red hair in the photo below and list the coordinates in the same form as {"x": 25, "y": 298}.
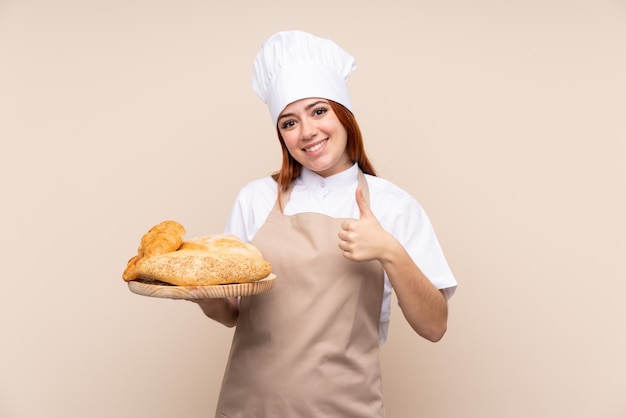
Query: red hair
{"x": 291, "y": 169}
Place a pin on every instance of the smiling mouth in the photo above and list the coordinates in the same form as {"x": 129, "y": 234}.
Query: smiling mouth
{"x": 316, "y": 147}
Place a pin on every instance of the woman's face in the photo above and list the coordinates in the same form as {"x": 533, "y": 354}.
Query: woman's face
{"x": 314, "y": 136}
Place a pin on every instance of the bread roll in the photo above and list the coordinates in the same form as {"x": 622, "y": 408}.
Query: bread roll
{"x": 208, "y": 260}
{"x": 162, "y": 238}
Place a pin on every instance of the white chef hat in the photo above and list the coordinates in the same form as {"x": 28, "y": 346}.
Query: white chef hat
{"x": 293, "y": 65}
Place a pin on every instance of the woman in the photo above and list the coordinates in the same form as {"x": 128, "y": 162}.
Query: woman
{"x": 339, "y": 239}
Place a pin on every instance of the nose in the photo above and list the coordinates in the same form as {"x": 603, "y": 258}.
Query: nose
{"x": 309, "y": 129}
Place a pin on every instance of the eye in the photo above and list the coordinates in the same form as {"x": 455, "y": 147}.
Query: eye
{"x": 319, "y": 111}
{"x": 288, "y": 124}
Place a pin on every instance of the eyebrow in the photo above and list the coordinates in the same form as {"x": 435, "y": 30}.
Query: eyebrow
{"x": 307, "y": 107}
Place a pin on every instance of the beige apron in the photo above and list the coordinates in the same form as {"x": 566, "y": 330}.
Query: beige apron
{"x": 309, "y": 347}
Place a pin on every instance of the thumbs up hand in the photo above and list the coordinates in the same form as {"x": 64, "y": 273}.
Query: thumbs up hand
{"x": 363, "y": 239}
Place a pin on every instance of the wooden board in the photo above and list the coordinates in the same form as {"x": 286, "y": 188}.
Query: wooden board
{"x": 203, "y": 292}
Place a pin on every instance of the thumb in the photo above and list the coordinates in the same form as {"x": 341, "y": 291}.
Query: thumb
{"x": 364, "y": 208}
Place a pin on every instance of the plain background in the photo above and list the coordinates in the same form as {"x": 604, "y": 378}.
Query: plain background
{"x": 505, "y": 119}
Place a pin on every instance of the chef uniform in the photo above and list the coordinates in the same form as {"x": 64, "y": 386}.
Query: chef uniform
{"x": 310, "y": 346}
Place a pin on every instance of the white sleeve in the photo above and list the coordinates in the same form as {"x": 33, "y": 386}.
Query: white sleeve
{"x": 402, "y": 215}
{"x": 252, "y": 205}
{"x": 236, "y": 219}
{"x": 416, "y": 233}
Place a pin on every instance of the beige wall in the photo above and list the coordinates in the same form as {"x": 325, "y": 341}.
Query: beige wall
{"x": 505, "y": 119}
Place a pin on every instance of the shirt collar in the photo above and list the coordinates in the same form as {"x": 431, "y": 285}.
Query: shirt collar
{"x": 314, "y": 181}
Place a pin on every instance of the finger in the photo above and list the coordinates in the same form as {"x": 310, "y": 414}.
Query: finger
{"x": 364, "y": 208}
{"x": 343, "y": 245}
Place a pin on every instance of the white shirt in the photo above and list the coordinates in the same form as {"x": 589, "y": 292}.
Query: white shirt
{"x": 397, "y": 211}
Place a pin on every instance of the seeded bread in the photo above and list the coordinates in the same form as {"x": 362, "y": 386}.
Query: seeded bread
{"x": 198, "y": 267}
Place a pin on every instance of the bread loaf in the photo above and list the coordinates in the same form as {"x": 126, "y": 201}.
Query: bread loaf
{"x": 201, "y": 267}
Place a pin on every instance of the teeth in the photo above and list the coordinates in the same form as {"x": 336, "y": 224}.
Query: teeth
{"x": 315, "y": 147}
